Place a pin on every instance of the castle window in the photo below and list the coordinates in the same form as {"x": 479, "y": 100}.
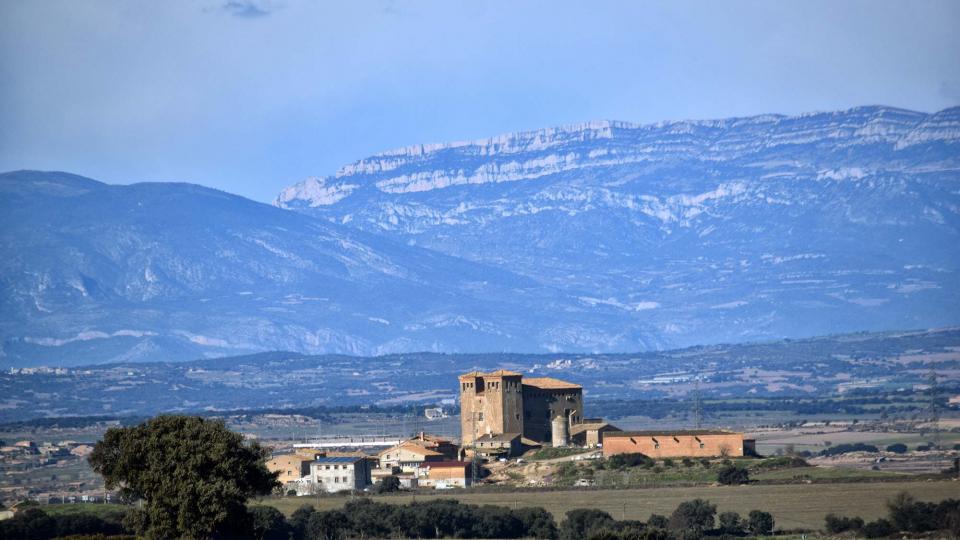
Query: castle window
{"x": 480, "y": 416}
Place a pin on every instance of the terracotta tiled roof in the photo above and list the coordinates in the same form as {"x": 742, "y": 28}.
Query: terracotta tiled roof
{"x": 679, "y": 433}
{"x": 504, "y": 437}
{"x": 549, "y": 383}
{"x": 412, "y": 448}
{"x": 447, "y": 464}
{"x": 580, "y": 428}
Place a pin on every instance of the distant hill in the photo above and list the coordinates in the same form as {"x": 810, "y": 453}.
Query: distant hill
{"x": 599, "y": 237}
{"x": 885, "y": 364}
{"x": 94, "y": 273}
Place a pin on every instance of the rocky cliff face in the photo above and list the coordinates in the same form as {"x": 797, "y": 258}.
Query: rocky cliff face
{"x": 720, "y": 230}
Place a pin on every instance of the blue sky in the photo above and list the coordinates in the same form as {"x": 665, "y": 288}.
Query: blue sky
{"x": 252, "y": 95}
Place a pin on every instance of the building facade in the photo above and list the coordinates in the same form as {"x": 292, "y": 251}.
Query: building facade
{"x": 332, "y": 474}
{"x": 499, "y": 445}
{"x": 447, "y": 474}
{"x": 671, "y": 444}
{"x": 590, "y": 433}
{"x": 290, "y": 467}
{"x": 505, "y": 402}
{"x": 407, "y": 457}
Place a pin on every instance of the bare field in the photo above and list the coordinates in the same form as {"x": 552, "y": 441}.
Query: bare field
{"x": 793, "y": 506}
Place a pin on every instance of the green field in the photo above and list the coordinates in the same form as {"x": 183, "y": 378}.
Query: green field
{"x": 793, "y": 506}
{"x": 83, "y": 508}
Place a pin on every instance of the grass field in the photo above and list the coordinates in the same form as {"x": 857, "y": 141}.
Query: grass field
{"x": 793, "y": 506}
{"x": 83, "y": 508}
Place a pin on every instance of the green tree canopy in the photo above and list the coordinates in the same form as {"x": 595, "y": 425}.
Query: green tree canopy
{"x": 693, "y": 517}
{"x": 194, "y": 475}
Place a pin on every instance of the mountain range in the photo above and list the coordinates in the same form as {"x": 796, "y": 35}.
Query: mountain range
{"x": 598, "y": 237}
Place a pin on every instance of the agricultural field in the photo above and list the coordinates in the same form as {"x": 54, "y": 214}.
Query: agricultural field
{"x": 794, "y": 506}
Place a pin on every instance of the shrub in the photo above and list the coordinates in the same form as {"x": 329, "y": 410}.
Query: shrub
{"x": 880, "y": 528}
{"x": 668, "y": 462}
{"x": 897, "y": 448}
{"x": 623, "y": 461}
{"x": 836, "y": 524}
{"x": 782, "y": 462}
{"x": 847, "y": 448}
{"x": 687, "y": 462}
{"x": 537, "y": 522}
{"x": 732, "y": 475}
{"x": 582, "y": 522}
{"x": 730, "y": 523}
{"x": 658, "y": 521}
{"x": 760, "y": 523}
{"x": 389, "y": 484}
{"x": 705, "y": 462}
{"x": 268, "y": 523}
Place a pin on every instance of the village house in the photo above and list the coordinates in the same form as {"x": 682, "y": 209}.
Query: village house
{"x": 333, "y": 474}
{"x": 291, "y": 467}
{"x": 446, "y": 474}
{"x": 499, "y": 445}
{"x": 407, "y": 457}
{"x": 589, "y": 434}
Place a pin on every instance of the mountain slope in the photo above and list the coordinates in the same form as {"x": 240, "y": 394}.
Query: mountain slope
{"x": 706, "y": 231}
{"x": 94, "y": 272}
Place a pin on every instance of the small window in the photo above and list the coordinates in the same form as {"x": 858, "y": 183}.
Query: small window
{"x": 480, "y": 416}
{"x": 656, "y": 445}
{"x": 701, "y": 445}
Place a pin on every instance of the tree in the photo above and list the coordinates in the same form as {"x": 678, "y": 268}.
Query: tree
{"x": 897, "y": 448}
{"x": 389, "y": 484}
{"x": 730, "y": 523}
{"x": 268, "y": 523}
{"x": 579, "y": 523}
{"x": 194, "y": 475}
{"x": 657, "y": 521}
{"x": 329, "y": 525}
{"x": 836, "y": 524}
{"x": 537, "y": 522}
{"x": 880, "y": 528}
{"x": 732, "y": 475}
{"x": 760, "y": 523}
{"x": 693, "y": 517}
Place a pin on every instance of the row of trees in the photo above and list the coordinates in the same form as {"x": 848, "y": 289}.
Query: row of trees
{"x": 691, "y": 520}
{"x": 904, "y": 515}
{"x": 364, "y": 518}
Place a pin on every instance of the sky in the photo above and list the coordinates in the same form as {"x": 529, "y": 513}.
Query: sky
{"x": 249, "y": 96}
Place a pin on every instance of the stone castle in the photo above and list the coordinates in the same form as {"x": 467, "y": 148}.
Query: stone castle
{"x": 539, "y": 409}
{"x": 502, "y": 411}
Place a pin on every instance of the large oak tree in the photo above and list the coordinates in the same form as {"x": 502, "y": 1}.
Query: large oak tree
{"x": 193, "y": 475}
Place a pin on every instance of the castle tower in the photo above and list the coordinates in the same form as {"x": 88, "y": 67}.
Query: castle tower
{"x": 490, "y": 403}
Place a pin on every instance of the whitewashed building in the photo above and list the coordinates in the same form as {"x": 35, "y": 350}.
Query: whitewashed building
{"x": 332, "y": 474}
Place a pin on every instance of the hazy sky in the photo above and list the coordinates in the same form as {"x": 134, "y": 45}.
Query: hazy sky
{"x": 249, "y": 96}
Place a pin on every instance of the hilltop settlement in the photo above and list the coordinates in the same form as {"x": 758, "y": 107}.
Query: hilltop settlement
{"x": 503, "y": 416}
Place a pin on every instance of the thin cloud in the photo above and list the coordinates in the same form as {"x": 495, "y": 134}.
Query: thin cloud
{"x": 248, "y": 9}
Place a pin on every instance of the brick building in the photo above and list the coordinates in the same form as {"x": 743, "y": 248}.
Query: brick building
{"x": 671, "y": 444}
